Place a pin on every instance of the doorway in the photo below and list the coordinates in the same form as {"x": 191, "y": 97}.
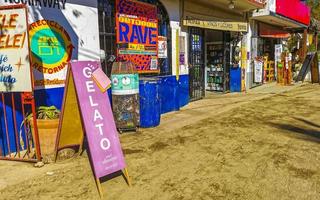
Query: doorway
{"x": 196, "y": 65}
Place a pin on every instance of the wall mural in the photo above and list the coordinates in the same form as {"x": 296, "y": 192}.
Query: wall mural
{"x": 51, "y": 49}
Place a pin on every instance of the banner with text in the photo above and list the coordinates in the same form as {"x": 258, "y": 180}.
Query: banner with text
{"x": 215, "y": 25}
{"x": 137, "y": 35}
{"x": 54, "y": 38}
{"x": 15, "y": 71}
{"x": 105, "y": 148}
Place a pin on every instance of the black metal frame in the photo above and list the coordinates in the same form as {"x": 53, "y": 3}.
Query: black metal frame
{"x": 196, "y": 63}
{"x": 106, "y": 15}
{"x": 226, "y": 61}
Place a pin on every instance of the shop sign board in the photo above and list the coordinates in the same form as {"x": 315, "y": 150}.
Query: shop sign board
{"x": 162, "y": 47}
{"x": 124, "y": 84}
{"x": 105, "y": 148}
{"x": 258, "y": 70}
{"x": 137, "y": 34}
{"x": 297, "y": 11}
{"x": 51, "y": 51}
{"x": 278, "y": 51}
{"x": 216, "y": 25}
{"x": 54, "y": 38}
{"x": 15, "y": 70}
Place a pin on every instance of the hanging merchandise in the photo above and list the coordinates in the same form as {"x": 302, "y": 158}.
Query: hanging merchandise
{"x": 215, "y": 67}
{"x": 125, "y": 95}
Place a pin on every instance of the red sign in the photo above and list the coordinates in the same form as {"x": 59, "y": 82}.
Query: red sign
{"x": 269, "y": 31}
{"x": 295, "y": 10}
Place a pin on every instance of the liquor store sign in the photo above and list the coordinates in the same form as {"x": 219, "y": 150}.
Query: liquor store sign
{"x": 215, "y": 25}
{"x": 15, "y": 72}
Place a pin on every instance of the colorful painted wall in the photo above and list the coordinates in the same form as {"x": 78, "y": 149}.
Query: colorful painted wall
{"x": 56, "y": 37}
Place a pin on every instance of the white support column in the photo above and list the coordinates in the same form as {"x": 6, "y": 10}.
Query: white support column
{"x": 175, "y": 29}
{"x": 184, "y": 69}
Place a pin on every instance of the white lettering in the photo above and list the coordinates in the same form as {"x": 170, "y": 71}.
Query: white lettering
{"x": 97, "y": 115}
{"x": 87, "y": 72}
{"x": 90, "y": 86}
{"x": 91, "y": 102}
{"x": 105, "y": 144}
{"x": 100, "y": 128}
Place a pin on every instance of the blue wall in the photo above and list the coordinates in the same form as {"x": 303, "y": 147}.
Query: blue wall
{"x": 235, "y": 79}
{"x": 9, "y": 116}
{"x": 49, "y": 97}
{"x": 173, "y": 95}
{"x": 42, "y": 97}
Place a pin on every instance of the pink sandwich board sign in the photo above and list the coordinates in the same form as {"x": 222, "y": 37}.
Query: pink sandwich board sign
{"x": 97, "y": 121}
{"x": 100, "y": 129}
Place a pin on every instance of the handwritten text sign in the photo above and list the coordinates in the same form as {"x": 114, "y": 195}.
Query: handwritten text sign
{"x": 14, "y": 51}
{"x": 105, "y": 149}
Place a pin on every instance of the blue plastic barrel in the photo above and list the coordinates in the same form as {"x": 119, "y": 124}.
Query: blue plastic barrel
{"x": 150, "y": 111}
{"x": 235, "y": 79}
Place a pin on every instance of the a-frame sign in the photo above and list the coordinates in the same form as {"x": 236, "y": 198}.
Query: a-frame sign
{"x": 87, "y": 111}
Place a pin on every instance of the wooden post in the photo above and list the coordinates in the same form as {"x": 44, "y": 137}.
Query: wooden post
{"x": 316, "y": 40}
{"x": 304, "y": 44}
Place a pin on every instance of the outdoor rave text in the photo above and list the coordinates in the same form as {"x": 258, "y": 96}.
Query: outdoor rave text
{"x": 7, "y": 41}
{"x": 137, "y": 31}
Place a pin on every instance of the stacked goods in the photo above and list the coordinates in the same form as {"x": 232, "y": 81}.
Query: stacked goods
{"x": 285, "y": 70}
{"x": 269, "y": 70}
{"x": 215, "y": 67}
{"x": 125, "y": 96}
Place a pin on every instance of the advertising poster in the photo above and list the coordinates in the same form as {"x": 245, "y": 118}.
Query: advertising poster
{"x": 105, "y": 148}
{"x": 162, "y": 47}
{"x": 137, "y": 35}
{"x": 182, "y": 49}
{"x": 258, "y": 70}
{"x": 15, "y": 71}
{"x": 278, "y": 51}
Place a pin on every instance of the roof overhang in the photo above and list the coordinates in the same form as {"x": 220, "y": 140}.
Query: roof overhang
{"x": 272, "y": 18}
{"x": 240, "y": 6}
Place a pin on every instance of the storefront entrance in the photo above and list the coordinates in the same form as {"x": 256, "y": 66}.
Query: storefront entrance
{"x": 197, "y": 64}
{"x": 217, "y": 60}
{"x": 210, "y": 61}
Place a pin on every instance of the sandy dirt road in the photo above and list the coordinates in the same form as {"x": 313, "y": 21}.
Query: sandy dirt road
{"x": 261, "y": 145}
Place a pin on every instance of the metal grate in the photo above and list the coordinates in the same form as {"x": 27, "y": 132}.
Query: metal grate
{"x": 106, "y": 15}
{"x": 196, "y": 57}
{"x": 19, "y": 140}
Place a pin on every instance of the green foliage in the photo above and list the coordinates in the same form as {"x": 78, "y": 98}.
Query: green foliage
{"x": 44, "y": 112}
{"x": 312, "y": 48}
{"x": 315, "y": 8}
